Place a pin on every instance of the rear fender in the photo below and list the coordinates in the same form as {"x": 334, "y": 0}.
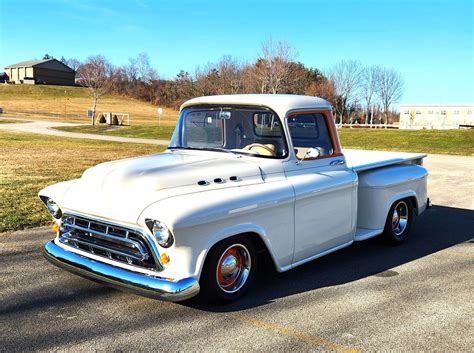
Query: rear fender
{"x": 380, "y": 188}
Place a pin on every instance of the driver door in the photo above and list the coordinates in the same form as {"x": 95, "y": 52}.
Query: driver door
{"x": 325, "y": 189}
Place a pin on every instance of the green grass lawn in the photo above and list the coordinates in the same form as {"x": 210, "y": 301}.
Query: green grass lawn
{"x": 29, "y": 162}
{"x": 142, "y": 131}
{"x": 456, "y": 142}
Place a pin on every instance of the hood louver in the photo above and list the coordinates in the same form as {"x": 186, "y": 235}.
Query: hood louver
{"x": 219, "y": 180}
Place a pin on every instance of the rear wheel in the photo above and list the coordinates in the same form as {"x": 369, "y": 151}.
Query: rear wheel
{"x": 398, "y": 223}
{"x": 229, "y": 269}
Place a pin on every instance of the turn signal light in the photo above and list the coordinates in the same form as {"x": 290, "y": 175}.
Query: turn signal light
{"x": 55, "y": 227}
{"x": 164, "y": 259}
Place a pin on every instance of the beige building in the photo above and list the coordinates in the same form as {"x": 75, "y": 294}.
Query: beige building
{"x": 49, "y": 72}
{"x": 436, "y": 116}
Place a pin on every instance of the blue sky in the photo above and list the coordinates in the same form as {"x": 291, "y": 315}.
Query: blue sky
{"x": 429, "y": 42}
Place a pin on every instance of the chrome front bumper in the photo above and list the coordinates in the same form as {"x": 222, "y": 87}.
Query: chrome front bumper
{"x": 150, "y": 286}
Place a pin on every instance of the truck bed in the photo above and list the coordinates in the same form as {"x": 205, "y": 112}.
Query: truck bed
{"x": 361, "y": 160}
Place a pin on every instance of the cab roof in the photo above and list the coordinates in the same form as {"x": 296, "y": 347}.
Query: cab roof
{"x": 279, "y": 103}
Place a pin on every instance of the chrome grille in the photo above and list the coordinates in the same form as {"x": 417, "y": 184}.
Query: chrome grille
{"x": 104, "y": 239}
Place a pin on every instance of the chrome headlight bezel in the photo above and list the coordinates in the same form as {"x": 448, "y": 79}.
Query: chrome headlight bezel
{"x": 161, "y": 232}
{"x": 52, "y": 207}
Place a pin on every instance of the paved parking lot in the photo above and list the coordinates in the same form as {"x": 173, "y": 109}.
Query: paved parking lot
{"x": 418, "y": 296}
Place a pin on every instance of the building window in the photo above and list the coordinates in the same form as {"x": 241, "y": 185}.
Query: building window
{"x": 456, "y": 112}
{"x": 418, "y": 112}
{"x": 443, "y": 112}
{"x": 430, "y": 111}
{"x": 469, "y": 112}
{"x": 406, "y": 111}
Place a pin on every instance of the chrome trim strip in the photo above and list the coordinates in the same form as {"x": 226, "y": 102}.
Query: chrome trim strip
{"x": 68, "y": 237}
{"x": 150, "y": 286}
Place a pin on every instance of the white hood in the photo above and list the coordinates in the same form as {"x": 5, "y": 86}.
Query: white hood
{"x": 120, "y": 190}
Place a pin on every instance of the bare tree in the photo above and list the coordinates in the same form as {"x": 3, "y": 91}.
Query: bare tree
{"x": 230, "y": 75}
{"x": 249, "y": 82}
{"x": 207, "y": 80}
{"x": 153, "y": 75}
{"x": 324, "y": 89}
{"x": 257, "y": 76}
{"x": 272, "y": 68}
{"x": 301, "y": 78}
{"x": 185, "y": 87}
{"x": 389, "y": 89}
{"x": 73, "y": 63}
{"x": 143, "y": 66}
{"x": 131, "y": 70}
{"x": 96, "y": 75}
{"x": 368, "y": 87}
{"x": 346, "y": 78}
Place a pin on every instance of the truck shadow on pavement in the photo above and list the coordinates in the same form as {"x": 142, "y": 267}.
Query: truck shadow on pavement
{"x": 437, "y": 229}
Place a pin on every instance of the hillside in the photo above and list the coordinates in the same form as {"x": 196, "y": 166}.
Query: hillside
{"x": 69, "y": 104}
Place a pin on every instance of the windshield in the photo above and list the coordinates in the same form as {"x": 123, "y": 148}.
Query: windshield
{"x": 254, "y": 131}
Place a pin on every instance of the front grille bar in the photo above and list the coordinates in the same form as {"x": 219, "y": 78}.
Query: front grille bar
{"x": 93, "y": 246}
{"x": 132, "y": 243}
{"x": 109, "y": 240}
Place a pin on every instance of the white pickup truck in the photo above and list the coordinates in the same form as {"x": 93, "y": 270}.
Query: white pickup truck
{"x": 242, "y": 174}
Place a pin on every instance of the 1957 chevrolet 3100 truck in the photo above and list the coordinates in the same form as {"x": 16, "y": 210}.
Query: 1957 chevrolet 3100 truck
{"x": 242, "y": 173}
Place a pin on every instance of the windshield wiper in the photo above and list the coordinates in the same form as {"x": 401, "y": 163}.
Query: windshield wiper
{"x": 180, "y": 148}
{"x": 202, "y": 149}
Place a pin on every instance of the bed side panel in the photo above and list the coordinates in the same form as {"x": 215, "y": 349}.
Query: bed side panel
{"x": 380, "y": 188}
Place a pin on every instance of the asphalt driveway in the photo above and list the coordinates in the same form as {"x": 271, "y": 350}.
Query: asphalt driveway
{"x": 417, "y": 296}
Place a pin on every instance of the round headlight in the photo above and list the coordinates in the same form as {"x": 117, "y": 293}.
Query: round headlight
{"x": 53, "y": 208}
{"x": 161, "y": 232}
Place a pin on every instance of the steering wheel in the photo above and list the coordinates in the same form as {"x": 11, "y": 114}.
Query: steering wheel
{"x": 259, "y": 145}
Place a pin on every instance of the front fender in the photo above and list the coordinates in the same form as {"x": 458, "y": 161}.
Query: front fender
{"x": 57, "y": 191}
{"x": 198, "y": 221}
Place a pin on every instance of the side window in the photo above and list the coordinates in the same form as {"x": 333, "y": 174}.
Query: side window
{"x": 310, "y": 131}
{"x": 266, "y": 125}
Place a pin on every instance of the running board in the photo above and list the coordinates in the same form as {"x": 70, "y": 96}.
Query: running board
{"x": 363, "y": 233}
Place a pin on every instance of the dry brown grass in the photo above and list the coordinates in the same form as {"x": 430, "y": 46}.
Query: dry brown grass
{"x": 69, "y": 104}
{"x": 11, "y": 121}
{"x": 29, "y": 162}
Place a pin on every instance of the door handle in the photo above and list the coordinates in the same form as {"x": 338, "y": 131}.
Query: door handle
{"x": 338, "y": 162}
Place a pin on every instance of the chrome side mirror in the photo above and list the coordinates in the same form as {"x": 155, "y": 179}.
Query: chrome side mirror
{"x": 311, "y": 153}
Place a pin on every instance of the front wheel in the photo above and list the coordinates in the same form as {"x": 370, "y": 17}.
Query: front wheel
{"x": 229, "y": 269}
{"x": 398, "y": 223}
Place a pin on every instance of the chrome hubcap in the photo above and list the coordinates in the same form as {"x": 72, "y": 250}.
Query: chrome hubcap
{"x": 400, "y": 218}
{"x": 229, "y": 266}
{"x": 233, "y": 268}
